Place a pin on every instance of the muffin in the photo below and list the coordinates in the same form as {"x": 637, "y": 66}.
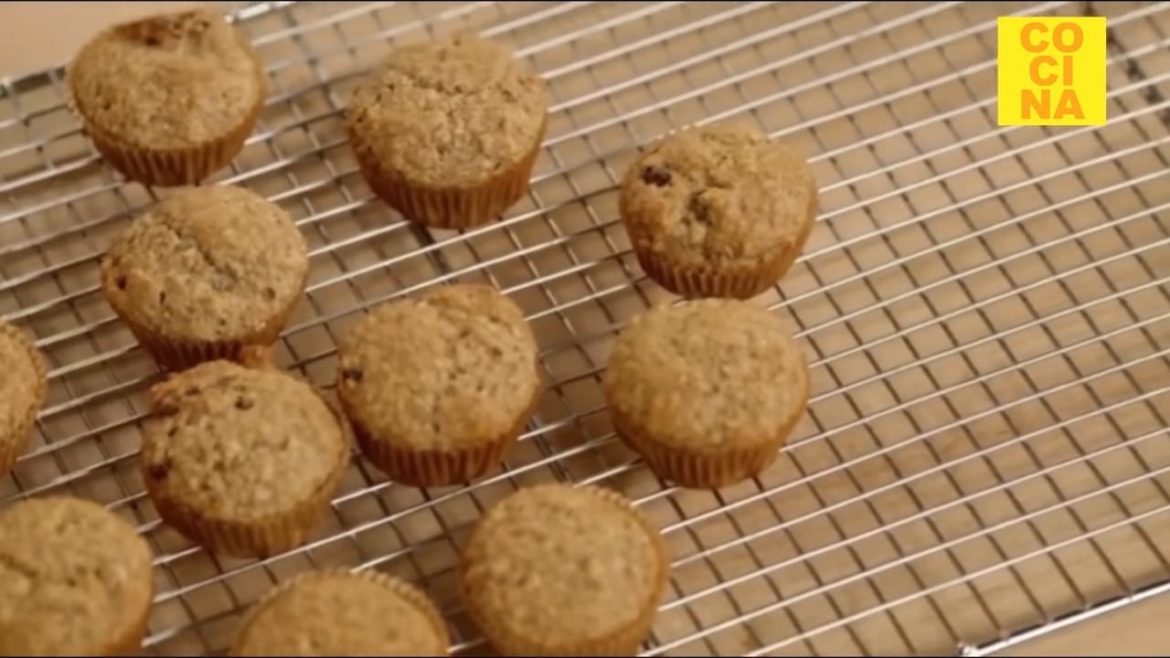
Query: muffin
{"x": 168, "y": 99}
{"x": 707, "y": 391}
{"x": 339, "y": 613}
{"x": 75, "y": 580}
{"x": 718, "y": 211}
{"x": 554, "y": 570}
{"x": 206, "y": 273}
{"x": 447, "y": 132}
{"x": 22, "y": 392}
{"x": 440, "y": 386}
{"x": 243, "y": 461}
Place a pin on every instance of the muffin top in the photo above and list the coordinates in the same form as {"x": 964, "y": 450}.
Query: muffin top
{"x": 718, "y": 194}
{"x": 452, "y": 367}
{"x": 167, "y": 82}
{"x": 338, "y": 613}
{"x": 240, "y": 444}
{"x": 449, "y": 113}
{"x": 75, "y": 579}
{"x": 707, "y": 374}
{"x": 555, "y": 566}
{"x": 207, "y": 263}
{"x": 22, "y": 388}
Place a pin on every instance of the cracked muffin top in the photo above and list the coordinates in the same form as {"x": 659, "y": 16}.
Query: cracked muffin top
{"x": 723, "y": 194}
{"x": 168, "y": 81}
{"x": 453, "y": 367}
{"x": 75, "y": 579}
{"x": 448, "y": 113}
{"x": 207, "y": 263}
{"x": 240, "y": 444}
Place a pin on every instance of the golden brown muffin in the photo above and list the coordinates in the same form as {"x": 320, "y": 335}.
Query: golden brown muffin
{"x": 168, "y": 99}
{"x": 707, "y": 391}
{"x": 447, "y": 132}
{"x": 439, "y": 387}
{"x": 554, "y": 570}
{"x": 243, "y": 461}
{"x": 75, "y": 580}
{"x": 718, "y": 211}
{"x": 22, "y": 392}
{"x": 339, "y": 613}
{"x": 205, "y": 273}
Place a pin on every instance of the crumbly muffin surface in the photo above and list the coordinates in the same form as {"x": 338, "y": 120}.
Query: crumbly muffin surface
{"x": 718, "y": 195}
{"x": 452, "y": 367}
{"x": 454, "y": 112}
{"x": 22, "y": 385}
{"x": 207, "y": 263}
{"x": 343, "y": 614}
{"x": 168, "y": 81}
{"x": 707, "y": 374}
{"x": 240, "y": 444}
{"x": 74, "y": 578}
{"x": 558, "y": 566}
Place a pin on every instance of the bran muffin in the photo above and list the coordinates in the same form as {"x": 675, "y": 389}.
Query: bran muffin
{"x": 22, "y": 392}
{"x": 205, "y": 273}
{"x": 75, "y": 580}
{"x": 339, "y": 613}
{"x": 168, "y": 99}
{"x": 718, "y": 211}
{"x": 438, "y": 387}
{"x": 447, "y": 132}
{"x": 243, "y": 461}
{"x": 707, "y": 391}
{"x": 554, "y": 570}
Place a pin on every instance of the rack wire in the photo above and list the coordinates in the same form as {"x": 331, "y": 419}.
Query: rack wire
{"x": 985, "y": 311}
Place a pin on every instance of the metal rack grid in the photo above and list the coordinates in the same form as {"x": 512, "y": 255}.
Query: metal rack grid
{"x": 985, "y": 312}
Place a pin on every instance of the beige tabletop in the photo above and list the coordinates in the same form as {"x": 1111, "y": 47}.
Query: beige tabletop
{"x": 35, "y": 35}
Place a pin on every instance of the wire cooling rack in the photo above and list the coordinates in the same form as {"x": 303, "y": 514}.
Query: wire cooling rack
{"x": 985, "y": 311}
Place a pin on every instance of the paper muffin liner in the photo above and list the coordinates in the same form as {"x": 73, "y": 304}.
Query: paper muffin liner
{"x": 264, "y": 537}
{"x": 623, "y": 641}
{"x": 450, "y": 207}
{"x": 179, "y": 354}
{"x": 130, "y": 642}
{"x": 704, "y": 469}
{"x": 175, "y": 166}
{"x": 735, "y": 281}
{"x": 440, "y": 467}
{"x": 400, "y": 588}
{"x": 13, "y": 440}
{"x": 261, "y": 538}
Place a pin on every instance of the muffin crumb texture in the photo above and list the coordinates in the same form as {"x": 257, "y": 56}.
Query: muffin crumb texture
{"x": 75, "y": 579}
{"x": 718, "y": 195}
{"x": 239, "y": 444}
{"x": 454, "y": 112}
{"x": 167, "y": 82}
{"x": 207, "y": 264}
{"x": 22, "y": 388}
{"x": 342, "y": 614}
{"x": 453, "y": 367}
{"x": 563, "y": 570}
{"x": 707, "y": 375}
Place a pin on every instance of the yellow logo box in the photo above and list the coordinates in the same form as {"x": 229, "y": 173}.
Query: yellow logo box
{"x": 1052, "y": 71}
